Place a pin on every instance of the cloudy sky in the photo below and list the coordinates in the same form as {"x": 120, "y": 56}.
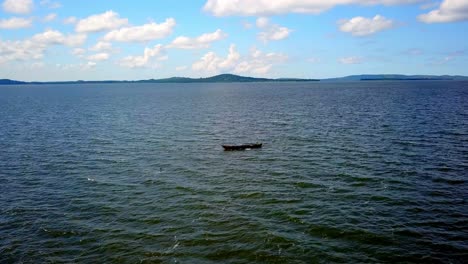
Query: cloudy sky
{"x": 141, "y": 39}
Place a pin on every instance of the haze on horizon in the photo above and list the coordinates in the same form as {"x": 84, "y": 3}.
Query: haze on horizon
{"x": 44, "y": 40}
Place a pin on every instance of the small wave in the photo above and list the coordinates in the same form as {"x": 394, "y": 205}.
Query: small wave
{"x": 359, "y": 235}
{"x": 252, "y": 195}
{"x": 308, "y": 185}
{"x": 443, "y": 169}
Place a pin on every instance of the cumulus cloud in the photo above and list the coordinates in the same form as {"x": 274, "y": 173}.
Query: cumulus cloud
{"x": 268, "y": 7}
{"x": 79, "y": 52}
{"x": 34, "y": 47}
{"x": 361, "y": 26}
{"x": 259, "y": 63}
{"x": 448, "y": 11}
{"x": 271, "y": 31}
{"x": 202, "y": 41}
{"x": 145, "y": 60}
{"x": 210, "y": 62}
{"x": 54, "y": 37}
{"x": 98, "y": 57}
{"x": 351, "y": 60}
{"x": 18, "y": 6}
{"x": 89, "y": 65}
{"x": 20, "y": 51}
{"x": 262, "y": 22}
{"x": 76, "y": 67}
{"x": 50, "y": 17}
{"x": 256, "y": 62}
{"x": 102, "y": 46}
{"x": 101, "y": 22}
{"x": 15, "y": 23}
{"x": 142, "y": 33}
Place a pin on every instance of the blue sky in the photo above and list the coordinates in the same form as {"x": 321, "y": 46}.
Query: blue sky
{"x": 127, "y": 40}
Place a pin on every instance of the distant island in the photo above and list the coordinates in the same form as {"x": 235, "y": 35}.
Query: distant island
{"x": 232, "y": 78}
{"x": 222, "y": 78}
{"x": 398, "y": 77}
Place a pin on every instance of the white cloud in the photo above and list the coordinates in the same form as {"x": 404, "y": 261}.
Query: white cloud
{"x": 50, "y": 4}
{"x": 98, "y": 57}
{"x": 89, "y": 65}
{"x": 259, "y": 62}
{"x": 34, "y": 48}
{"x": 351, "y": 60}
{"x": 262, "y": 22}
{"x": 50, "y": 17}
{"x": 70, "y": 20}
{"x": 449, "y": 11}
{"x": 102, "y": 46}
{"x": 101, "y": 22}
{"x": 36, "y": 65}
{"x": 18, "y": 6}
{"x": 181, "y": 68}
{"x": 15, "y": 23}
{"x": 142, "y": 33}
{"x": 255, "y": 63}
{"x": 202, "y": 41}
{"x": 211, "y": 62}
{"x": 145, "y": 60}
{"x": 361, "y": 26}
{"x": 79, "y": 52}
{"x": 53, "y": 37}
{"x": 76, "y": 67}
{"x": 269, "y": 7}
{"x": 75, "y": 40}
{"x": 271, "y": 31}
{"x": 20, "y": 51}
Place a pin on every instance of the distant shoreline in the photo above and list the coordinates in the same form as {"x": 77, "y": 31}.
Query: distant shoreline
{"x": 222, "y": 78}
{"x": 407, "y": 79}
{"x": 231, "y": 78}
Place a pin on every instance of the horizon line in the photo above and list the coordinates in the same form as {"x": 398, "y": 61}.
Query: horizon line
{"x": 429, "y": 76}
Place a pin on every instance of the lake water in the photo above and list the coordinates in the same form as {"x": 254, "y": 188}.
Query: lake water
{"x": 128, "y": 173}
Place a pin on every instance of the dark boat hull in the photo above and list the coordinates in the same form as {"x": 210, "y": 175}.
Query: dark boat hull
{"x": 242, "y": 147}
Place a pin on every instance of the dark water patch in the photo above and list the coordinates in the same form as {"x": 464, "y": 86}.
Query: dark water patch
{"x": 283, "y": 200}
{"x": 357, "y": 235}
{"x": 251, "y": 195}
{"x": 448, "y": 181}
{"x": 441, "y": 169}
{"x": 308, "y": 185}
{"x": 284, "y": 216}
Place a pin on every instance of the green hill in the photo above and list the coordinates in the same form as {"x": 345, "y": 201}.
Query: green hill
{"x": 222, "y": 78}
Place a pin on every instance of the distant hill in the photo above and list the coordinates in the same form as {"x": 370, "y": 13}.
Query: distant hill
{"x": 10, "y": 82}
{"x": 231, "y": 78}
{"x": 397, "y": 77}
{"x": 222, "y": 78}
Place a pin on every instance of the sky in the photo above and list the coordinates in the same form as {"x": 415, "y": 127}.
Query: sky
{"x": 58, "y": 40}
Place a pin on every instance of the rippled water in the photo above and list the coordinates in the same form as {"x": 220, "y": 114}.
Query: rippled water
{"x": 349, "y": 172}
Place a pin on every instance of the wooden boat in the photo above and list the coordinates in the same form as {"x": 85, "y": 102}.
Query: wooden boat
{"x": 243, "y": 146}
